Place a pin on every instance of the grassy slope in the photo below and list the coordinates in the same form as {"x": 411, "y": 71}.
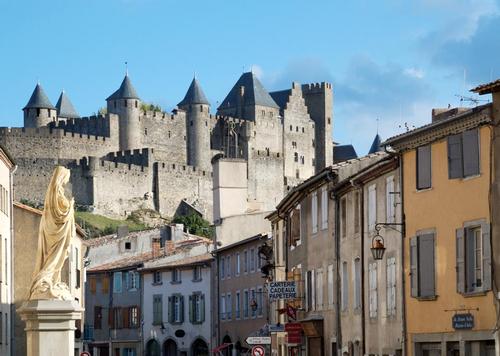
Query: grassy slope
{"x": 101, "y": 225}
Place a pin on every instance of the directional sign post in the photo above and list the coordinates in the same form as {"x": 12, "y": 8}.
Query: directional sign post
{"x": 258, "y": 351}
{"x": 258, "y": 340}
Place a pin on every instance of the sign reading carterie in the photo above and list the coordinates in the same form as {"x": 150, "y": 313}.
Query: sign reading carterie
{"x": 282, "y": 290}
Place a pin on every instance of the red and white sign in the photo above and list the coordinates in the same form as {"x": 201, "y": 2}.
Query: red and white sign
{"x": 84, "y": 353}
{"x": 294, "y": 333}
{"x": 258, "y": 351}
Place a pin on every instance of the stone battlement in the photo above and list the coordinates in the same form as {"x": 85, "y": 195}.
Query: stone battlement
{"x": 316, "y": 87}
{"x": 137, "y": 156}
{"x": 93, "y": 125}
{"x": 46, "y": 132}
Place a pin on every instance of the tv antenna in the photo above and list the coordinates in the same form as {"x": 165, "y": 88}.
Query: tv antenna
{"x": 469, "y": 99}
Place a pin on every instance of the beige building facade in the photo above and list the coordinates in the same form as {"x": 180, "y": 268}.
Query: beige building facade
{"x": 6, "y": 236}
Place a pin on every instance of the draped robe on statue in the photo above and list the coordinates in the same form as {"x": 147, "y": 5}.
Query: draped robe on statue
{"x": 57, "y": 227}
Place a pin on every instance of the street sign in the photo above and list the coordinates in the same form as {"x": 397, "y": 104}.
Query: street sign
{"x": 462, "y": 321}
{"x": 84, "y": 353}
{"x": 282, "y": 290}
{"x": 276, "y": 328}
{"x": 258, "y": 340}
{"x": 258, "y": 351}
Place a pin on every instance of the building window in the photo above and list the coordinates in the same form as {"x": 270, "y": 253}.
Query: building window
{"x": 222, "y": 268}
{"x": 176, "y": 275}
{"x": 390, "y": 202}
{"x": 319, "y": 289}
{"x": 424, "y": 167}
{"x": 295, "y": 227}
{"x": 260, "y": 301}
{"x": 373, "y": 293}
{"x": 238, "y": 264}
{"x": 117, "y": 282}
{"x": 97, "y": 317}
{"x": 134, "y": 317}
{"x": 93, "y": 285}
{"x": 222, "y": 304}
{"x": 117, "y": 318}
{"x": 253, "y": 303}
{"x": 311, "y": 290}
{"x": 357, "y": 283}
{"x": 314, "y": 212}
{"x": 324, "y": 208}
{"x": 463, "y": 154}
{"x": 128, "y": 245}
{"x": 176, "y": 309}
{"x": 246, "y": 303}
{"x": 330, "y": 285}
{"x": 133, "y": 281}
{"x": 105, "y": 284}
{"x": 237, "y": 305}
{"x": 391, "y": 286}
{"x": 343, "y": 217}
{"x": 197, "y": 308}
{"x": 372, "y": 207}
{"x": 228, "y": 266}
{"x": 345, "y": 287}
{"x": 197, "y": 273}
{"x": 245, "y": 261}
{"x": 252, "y": 260}
{"x": 356, "y": 212}
{"x": 473, "y": 258}
{"x": 229, "y": 307}
{"x": 157, "y": 309}
{"x": 128, "y": 351}
{"x": 296, "y": 156}
{"x": 157, "y": 277}
{"x": 422, "y": 266}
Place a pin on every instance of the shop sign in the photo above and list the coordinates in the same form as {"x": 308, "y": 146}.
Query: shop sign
{"x": 282, "y": 290}
{"x": 462, "y": 321}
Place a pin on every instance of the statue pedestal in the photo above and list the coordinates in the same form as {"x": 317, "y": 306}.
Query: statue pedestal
{"x": 50, "y": 326}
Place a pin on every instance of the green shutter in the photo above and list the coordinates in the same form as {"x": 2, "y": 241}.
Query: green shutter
{"x": 191, "y": 307}
{"x": 414, "y": 266}
{"x": 170, "y": 310}
{"x": 485, "y": 229}
{"x": 460, "y": 260}
{"x": 202, "y": 308}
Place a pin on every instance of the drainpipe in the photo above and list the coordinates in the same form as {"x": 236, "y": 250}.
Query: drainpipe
{"x": 12, "y": 306}
{"x": 362, "y": 267}
{"x": 403, "y": 276}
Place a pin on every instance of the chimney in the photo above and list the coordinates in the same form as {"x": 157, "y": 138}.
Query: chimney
{"x": 122, "y": 231}
{"x": 155, "y": 247}
{"x": 445, "y": 113}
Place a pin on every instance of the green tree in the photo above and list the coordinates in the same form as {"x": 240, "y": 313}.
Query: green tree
{"x": 196, "y": 225}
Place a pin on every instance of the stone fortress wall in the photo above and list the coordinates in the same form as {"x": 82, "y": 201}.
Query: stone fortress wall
{"x": 168, "y": 155}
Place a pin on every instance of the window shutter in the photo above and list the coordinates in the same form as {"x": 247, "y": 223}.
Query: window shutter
{"x": 460, "y": 267}
{"x": 424, "y": 167}
{"x": 110, "y": 318}
{"x": 470, "y": 273}
{"x": 191, "y": 307}
{"x": 426, "y": 265}
{"x": 181, "y": 308}
{"x": 202, "y": 308}
{"x": 105, "y": 284}
{"x": 471, "y": 152}
{"x": 127, "y": 281}
{"x": 485, "y": 229}
{"x": 170, "y": 310}
{"x": 125, "y": 316}
{"x": 139, "y": 317}
{"x": 414, "y": 266}
{"x": 455, "y": 168}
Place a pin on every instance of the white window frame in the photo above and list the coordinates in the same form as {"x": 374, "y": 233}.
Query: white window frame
{"x": 238, "y": 264}
{"x": 222, "y": 304}
{"x": 391, "y": 286}
{"x": 237, "y": 305}
{"x": 229, "y": 306}
{"x": 319, "y": 289}
{"x": 324, "y": 208}
{"x": 373, "y": 292}
{"x": 345, "y": 287}
{"x": 390, "y": 200}
{"x": 356, "y": 272}
{"x": 372, "y": 207}
{"x": 330, "y": 285}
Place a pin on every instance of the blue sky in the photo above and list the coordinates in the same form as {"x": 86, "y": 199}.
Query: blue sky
{"x": 388, "y": 60}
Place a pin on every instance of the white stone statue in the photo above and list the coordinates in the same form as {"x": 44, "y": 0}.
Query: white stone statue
{"x": 57, "y": 227}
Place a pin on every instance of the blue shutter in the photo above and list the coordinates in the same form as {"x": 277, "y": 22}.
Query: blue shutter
{"x": 460, "y": 260}
{"x": 181, "y": 308}
{"x": 202, "y": 308}
{"x": 471, "y": 152}
{"x": 455, "y": 168}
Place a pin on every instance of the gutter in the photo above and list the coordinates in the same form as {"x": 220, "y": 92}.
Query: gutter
{"x": 337, "y": 262}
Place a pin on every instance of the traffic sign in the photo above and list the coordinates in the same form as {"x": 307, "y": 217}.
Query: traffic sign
{"x": 258, "y": 340}
{"x": 258, "y": 351}
{"x": 84, "y": 353}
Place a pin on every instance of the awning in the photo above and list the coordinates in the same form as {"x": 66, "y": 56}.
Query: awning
{"x": 221, "y": 347}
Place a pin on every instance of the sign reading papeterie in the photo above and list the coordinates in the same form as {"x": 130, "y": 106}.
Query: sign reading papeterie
{"x": 282, "y": 290}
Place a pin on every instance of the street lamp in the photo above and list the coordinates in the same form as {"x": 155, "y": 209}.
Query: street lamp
{"x": 378, "y": 248}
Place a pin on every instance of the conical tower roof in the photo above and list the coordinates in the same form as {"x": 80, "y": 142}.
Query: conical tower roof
{"x": 39, "y": 99}
{"x": 375, "y": 147}
{"x": 194, "y": 95}
{"x": 65, "y": 108}
{"x": 125, "y": 91}
{"x": 254, "y": 93}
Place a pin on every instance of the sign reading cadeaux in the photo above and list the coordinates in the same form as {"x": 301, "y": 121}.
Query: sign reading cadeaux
{"x": 282, "y": 290}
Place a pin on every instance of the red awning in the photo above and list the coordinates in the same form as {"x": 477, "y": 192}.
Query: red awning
{"x": 221, "y": 347}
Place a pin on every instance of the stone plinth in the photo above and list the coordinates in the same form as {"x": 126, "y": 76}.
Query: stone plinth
{"x": 50, "y": 326}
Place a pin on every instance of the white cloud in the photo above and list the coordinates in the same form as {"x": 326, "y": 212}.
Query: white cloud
{"x": 414, "y": 72}
{"x": 257, "y": 70}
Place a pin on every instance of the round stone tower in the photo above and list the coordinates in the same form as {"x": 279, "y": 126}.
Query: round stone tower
{"x": 39, "y": 111}
{"x": 197, "y": 109}
{"x": 126, "y": 104}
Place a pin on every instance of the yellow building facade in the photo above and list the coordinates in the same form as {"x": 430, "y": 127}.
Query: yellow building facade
{"x": 450, "y": 303}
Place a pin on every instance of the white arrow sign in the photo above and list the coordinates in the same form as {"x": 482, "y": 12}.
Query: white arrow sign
{"x": 258, "y": 340}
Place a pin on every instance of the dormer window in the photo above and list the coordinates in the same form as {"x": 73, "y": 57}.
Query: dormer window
{"x": 37, "y": 112}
